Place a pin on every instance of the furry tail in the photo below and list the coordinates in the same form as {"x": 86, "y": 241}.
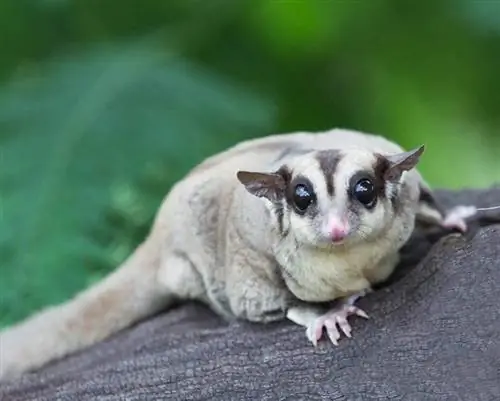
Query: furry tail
{"x": 127, "y": 295}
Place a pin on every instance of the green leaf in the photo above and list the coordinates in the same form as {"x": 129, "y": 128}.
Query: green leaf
{"x": 74, "y": 129}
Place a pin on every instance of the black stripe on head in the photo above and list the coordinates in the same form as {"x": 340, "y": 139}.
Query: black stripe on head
{"x": 328, "y": 161}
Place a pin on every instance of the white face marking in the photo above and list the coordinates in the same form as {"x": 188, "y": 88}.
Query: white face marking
{"x": 338, "y": 219}
{"x": 308, "y": 167}
{"x": 353, "y": 162}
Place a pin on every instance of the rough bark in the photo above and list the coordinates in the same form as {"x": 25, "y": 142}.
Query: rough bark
{"x": 434, "y": 334}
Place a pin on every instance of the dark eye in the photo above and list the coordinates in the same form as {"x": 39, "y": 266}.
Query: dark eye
{"x": 303, "y": 196}
{"x": 364, "y": 192}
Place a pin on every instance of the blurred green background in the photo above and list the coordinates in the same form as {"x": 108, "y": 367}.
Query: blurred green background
{"x": 104, "y": 104}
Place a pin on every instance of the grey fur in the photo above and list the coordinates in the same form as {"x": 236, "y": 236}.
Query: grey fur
{"x": 328, "y": 161}
{"x": 232, "y": 241}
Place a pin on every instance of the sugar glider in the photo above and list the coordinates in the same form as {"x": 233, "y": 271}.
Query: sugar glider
{"x": 263, "y": 231}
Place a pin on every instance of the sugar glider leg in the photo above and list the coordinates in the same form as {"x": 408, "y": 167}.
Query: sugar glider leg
{"x": 315, "y": 321}
{"x": 253, "y": 288}
{"x": 129, "y": 294}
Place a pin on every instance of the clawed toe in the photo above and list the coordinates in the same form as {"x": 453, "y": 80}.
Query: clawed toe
{"x": 332, "y": 331}
{"x": 354, "y": 310}
{"x": 333, "y": 321}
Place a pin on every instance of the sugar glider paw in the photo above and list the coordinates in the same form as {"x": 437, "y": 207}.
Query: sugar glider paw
{"x": 330, "y": 321}
{"x": 455, "y": 218}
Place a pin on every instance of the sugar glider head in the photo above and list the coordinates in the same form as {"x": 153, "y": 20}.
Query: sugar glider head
{"x": 333, "y": 197}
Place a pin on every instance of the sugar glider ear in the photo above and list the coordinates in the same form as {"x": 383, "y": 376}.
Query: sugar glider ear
{"x": 401, "y": 162}
{"x": 267, "y": 185}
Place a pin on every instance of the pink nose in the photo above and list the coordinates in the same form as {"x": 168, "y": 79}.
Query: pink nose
{"x": 338, "y": 232}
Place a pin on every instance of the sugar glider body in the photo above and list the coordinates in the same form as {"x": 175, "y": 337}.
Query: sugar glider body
{"x": 258, "y": 232}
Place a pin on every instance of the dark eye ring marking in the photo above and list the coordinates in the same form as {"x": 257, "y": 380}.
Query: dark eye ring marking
{"x": 303, "y": 196}
{"x": 364, "y": 191}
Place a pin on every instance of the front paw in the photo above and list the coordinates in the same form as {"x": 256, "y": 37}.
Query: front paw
{"x": 330, "y": 320}
{"x": 456, "y": 217}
